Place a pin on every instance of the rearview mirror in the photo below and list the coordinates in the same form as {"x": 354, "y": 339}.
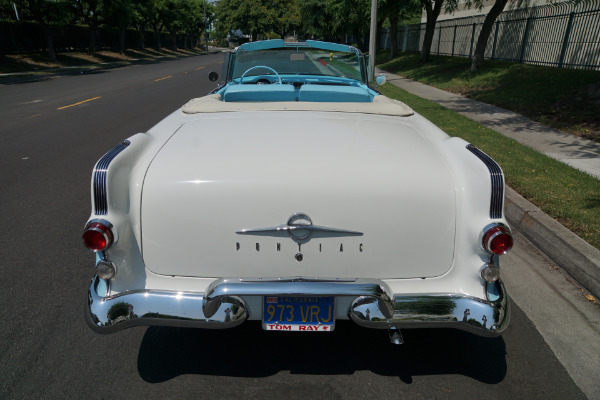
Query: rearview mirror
{"x": 213, "y": 76}
{"x": 381, "y": 79}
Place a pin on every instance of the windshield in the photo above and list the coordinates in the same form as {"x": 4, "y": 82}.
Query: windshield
{"x": 298, "y": 61}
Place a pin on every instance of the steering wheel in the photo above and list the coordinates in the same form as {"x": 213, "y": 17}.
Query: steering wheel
{"x": 260, "y": 66}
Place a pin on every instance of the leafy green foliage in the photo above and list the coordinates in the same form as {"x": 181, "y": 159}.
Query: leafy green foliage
{"x": 252, "y": 17}
{"x": 176, "y": 15}
{"x": 286, "y": 14}
{"x": 332, "y": 19}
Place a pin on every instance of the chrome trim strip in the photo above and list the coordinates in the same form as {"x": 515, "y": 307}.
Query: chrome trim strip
{"x": 373, "y": 306}
{"x": 497, "y": 178}
{"x": 99, "y": 182}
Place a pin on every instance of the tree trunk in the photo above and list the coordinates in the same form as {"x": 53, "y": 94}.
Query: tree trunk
{"x": 157, "y": 39}
{"x": 93, "y": 29}
{"x": 122, "y": 41}
{"x": 142, "y": 40}
{"x": 49, "y": 43}
{"x": 484, "y": 35}
{"x": 359, "y": 41}
{"x": 378, "y": 35}
{"x": 393, "y": 35}
{"x": 432, "y": 16}
{"x": 173, "y": 39}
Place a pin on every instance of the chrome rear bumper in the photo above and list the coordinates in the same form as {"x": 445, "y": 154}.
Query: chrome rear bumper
{"x": 223, "y": 305}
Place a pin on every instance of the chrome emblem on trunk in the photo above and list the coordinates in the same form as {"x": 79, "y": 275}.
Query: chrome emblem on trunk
{"x": 300, "y": 228}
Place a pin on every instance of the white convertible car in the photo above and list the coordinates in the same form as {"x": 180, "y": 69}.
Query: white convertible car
{"x": 297, "y": 195}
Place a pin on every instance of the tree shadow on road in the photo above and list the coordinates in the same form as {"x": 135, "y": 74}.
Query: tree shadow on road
{"x": 248, "y": 351}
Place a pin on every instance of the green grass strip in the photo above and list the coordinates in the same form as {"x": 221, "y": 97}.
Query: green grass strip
{"x": 570, "y": 196}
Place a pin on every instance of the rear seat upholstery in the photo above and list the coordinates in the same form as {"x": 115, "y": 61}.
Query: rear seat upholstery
{"x": 306, "y": 92}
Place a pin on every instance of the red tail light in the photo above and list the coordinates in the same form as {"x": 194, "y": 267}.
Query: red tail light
{"x": 497, "y": 239}
{"x": 97, "y": 236}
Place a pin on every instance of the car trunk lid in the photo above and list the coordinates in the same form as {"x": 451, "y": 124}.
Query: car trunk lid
{"x": 217, "y": 189}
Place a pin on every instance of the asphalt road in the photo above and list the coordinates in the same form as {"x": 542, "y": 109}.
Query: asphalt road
{"x": 51, "y": 134}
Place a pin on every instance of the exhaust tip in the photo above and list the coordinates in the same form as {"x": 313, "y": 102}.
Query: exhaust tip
{"x": 395, "y": 336}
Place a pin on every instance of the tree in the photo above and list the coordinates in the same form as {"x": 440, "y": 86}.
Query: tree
{"x": 209, "y": 17}
{"x": 92, "y": 13}
{"x": 140, "y": 20}
{"x": 197, "y": 16}
{"x": 7, "y": 10}
{"x": 154, "y": 12}
{"x": 172, "y": 15}
{"x": 315, "y": 18}
{"x": 396, "y": 11}
{"x": 486, "y": 30}
{"x": 119, "y": 13}
{"x": 432, "y": 10}
{"x": 120, "y": 309}
{"x": 332, "y": 19}
{"x": 252, "y": 17}
{"x": 350, "y": 16}
{"x": 286, "y": 16}
{"x": 44, "y": 13}
{"x": 430, "y": 306}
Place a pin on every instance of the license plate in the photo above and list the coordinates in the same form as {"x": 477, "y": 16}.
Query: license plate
{"x": 297, "y": 313}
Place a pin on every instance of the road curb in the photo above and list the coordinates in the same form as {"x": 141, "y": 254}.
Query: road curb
{"x": 577, "y": 257}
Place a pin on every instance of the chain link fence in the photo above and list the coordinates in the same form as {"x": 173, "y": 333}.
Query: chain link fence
{"x": 561, "y": 35}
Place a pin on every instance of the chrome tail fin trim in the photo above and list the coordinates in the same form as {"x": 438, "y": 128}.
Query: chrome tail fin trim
{"x": 100, "y": 170}
{"x": 497, "y": 178}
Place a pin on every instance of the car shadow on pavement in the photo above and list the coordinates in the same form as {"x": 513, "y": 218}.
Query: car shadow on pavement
{"x": 248, "y": 351}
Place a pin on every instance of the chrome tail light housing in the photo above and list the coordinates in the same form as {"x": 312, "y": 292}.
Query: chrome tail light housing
{"x": 98, "y": 235}
{"x": 497, "y": 239}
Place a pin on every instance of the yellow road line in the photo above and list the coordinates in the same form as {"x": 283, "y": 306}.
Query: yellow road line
{"x": 81, "y": 102}
{"x": 198, "y": 69}
{"x": 33, "y": 116}
{"x": 160, "y": 79}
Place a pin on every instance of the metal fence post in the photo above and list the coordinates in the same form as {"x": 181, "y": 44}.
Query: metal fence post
{"x": 453, "y": 39}
{"x": 525, "y": 39}
{"x": 566, "y": 41}
{"x": 472, "y": 40}
{"x": 495, "y": 41}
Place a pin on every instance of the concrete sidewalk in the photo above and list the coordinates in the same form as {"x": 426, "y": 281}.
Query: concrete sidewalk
{"x": 575, "y": 256}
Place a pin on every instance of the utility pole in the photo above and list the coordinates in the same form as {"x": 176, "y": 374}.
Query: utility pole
{"x": 373, "y": 41}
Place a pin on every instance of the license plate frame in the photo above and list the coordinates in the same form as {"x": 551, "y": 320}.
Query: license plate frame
{"x": 299, "y": 313}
